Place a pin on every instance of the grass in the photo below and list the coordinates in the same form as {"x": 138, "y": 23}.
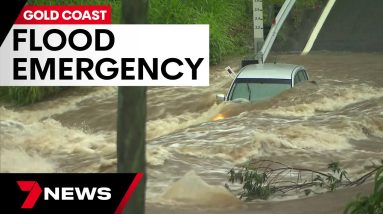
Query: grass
{"x": 27, "y": 95}
{"x": 231, "y": 29}
{"x": 230, "y": 22}
{"x": 372, "y": 204}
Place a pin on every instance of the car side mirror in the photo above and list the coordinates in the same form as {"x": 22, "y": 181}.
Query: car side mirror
{"x": 220, "y": 97}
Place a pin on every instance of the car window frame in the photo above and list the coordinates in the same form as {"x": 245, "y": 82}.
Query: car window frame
{"x": 255, "y": 80}
{"x": 296, "y": 74}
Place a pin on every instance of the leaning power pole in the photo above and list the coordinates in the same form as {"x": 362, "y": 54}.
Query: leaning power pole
{"x": 263, "y": 52}
{"x": 131, "y": 119}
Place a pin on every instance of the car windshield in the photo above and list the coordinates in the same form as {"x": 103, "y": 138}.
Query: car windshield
{"x": 258, "y": 89}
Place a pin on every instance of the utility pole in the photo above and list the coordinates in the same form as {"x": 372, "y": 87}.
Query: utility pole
{"x": 131, "y": 119}
{"x": 285, "y": 10}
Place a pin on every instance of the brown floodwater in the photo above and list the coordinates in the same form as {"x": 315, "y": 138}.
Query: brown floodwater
{"x": 338, "y": 116}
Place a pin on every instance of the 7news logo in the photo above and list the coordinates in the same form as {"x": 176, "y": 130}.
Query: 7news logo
{"x": 61, "y": 193}
{"x": 104, "y": 193}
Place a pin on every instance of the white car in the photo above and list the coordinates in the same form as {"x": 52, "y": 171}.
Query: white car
{"x": 258, "y": 82}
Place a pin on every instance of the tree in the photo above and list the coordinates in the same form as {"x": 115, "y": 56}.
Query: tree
{"x": 131, "y": 119}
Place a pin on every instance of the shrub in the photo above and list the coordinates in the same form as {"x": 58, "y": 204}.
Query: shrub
{"x": 372, "y": 204}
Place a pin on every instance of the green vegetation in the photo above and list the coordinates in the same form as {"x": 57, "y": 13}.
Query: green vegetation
{"x": 230, "y": 22}
{"x": 372, "y": 204}
{"x": 303, "y": 14}
{"x": 261, "y": 179}
{"x": 26, "y": 95}
{"x": 297, "y": 12}
{"x": 231, "y": 28}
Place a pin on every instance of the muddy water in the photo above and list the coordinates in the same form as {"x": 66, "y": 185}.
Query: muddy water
{"x": 336, "y": 117}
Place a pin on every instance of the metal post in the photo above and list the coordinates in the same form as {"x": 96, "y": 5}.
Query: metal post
{"x": 258, "y": 25}
{"x": 131, "y": 119}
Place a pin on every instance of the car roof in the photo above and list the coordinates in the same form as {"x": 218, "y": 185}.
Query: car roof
{"x": 268, "y": 71}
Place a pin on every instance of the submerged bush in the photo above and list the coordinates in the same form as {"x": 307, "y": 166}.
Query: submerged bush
{"x": 261, "y": 179}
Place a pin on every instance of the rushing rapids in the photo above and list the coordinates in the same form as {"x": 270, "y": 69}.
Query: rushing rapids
{"x": 338, "y": 116}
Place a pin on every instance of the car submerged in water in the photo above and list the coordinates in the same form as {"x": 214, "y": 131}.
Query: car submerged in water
{"x": 259, "y": 82}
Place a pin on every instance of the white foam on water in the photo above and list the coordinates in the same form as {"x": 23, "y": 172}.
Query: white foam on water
{"x": 56, "y": 106}
{"x": 46, "y": 146}
{"x": 295, "y": 138}
{"x": 157, "y": 155}
{"x": 192, "y": 190}
{"x": 57, "y": 145}
{"x": 19, "y": 161}
{"x": 171, "y": 123}
{"x": 329, "y": 100}
{"x": 308, "y": 124}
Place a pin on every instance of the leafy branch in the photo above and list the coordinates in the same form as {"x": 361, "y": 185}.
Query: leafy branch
{"x": 262, "y": 178}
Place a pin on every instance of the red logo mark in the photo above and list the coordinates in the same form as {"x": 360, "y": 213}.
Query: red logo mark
{"x": 35, "y": 190}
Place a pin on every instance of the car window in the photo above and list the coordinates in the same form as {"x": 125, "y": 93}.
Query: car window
{"x": 302, "y": 76}
{"x": 297, "y": 78}
{"x": 258, "y": 91}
